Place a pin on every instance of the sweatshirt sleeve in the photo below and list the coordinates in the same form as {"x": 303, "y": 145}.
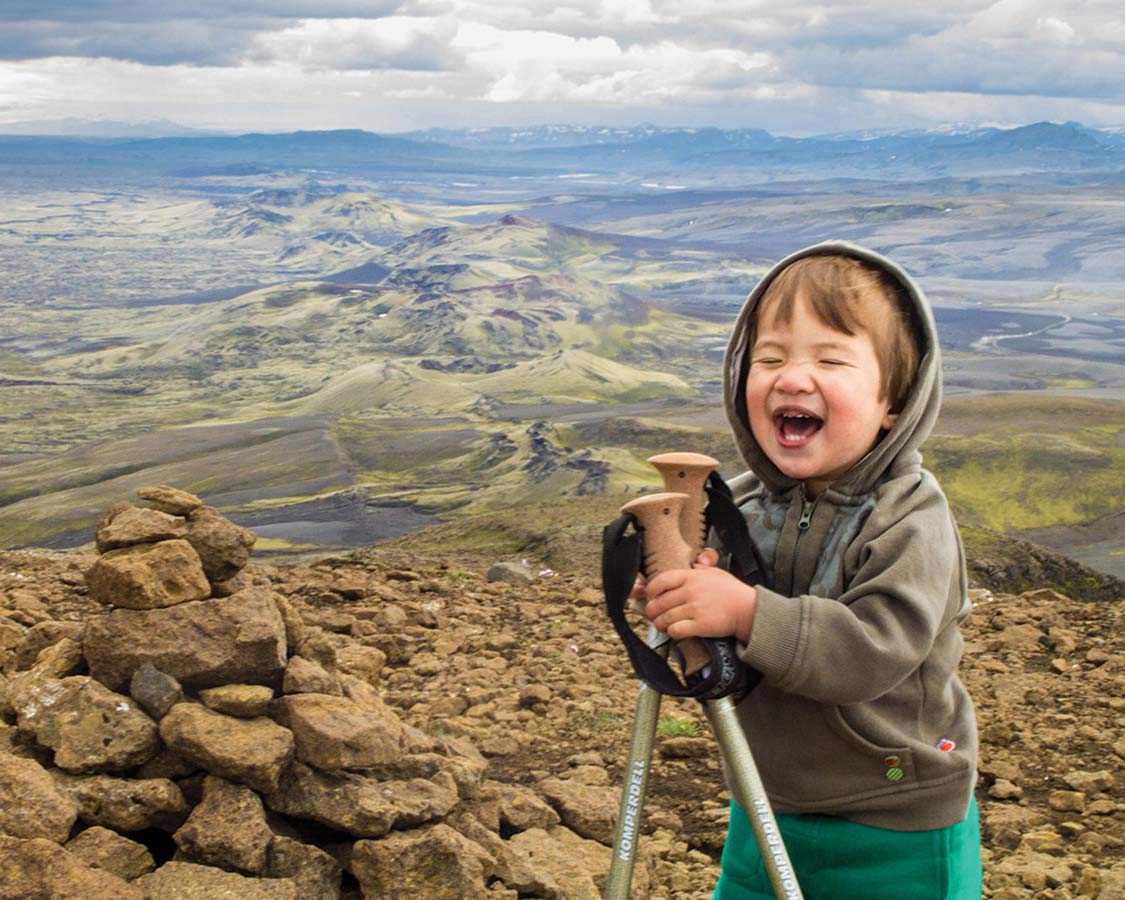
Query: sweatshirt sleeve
{"x": 905, "y": 587}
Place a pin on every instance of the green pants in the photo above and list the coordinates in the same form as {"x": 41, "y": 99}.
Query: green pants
{"x": 835, "y": 859}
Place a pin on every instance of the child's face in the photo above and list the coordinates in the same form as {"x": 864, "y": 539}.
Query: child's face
{"x": 812, "y": 394}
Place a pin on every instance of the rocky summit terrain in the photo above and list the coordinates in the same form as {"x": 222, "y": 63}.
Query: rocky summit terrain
{"x": 179, "y": 722}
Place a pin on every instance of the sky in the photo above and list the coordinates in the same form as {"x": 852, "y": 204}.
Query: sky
{"x": 387, "y": 66}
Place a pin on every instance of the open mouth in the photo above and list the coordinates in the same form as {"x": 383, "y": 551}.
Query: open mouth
{"x": 794, "y": 428}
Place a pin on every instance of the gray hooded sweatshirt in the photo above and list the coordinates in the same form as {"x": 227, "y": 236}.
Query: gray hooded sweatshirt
{"x": 860, "y": 713}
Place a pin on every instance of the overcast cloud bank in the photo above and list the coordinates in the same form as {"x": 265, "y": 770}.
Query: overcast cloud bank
{"x": 797, "y": 68}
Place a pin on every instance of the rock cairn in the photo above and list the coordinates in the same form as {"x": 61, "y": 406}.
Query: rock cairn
{"x": 199, "y": 739}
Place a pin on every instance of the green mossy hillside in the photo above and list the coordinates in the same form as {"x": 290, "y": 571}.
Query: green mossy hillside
{"x": 1014, "y": 463}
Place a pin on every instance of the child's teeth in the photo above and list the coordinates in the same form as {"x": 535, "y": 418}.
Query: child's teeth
{"x": 795, "y": 426}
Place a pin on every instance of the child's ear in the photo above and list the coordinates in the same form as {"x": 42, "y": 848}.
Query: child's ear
{"x": 889, "y": 420}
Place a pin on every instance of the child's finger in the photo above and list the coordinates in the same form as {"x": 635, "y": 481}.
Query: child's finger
{"x": 665, "y": 592}
{"x": 666, "y": 581}
{"x": 708, "y": 557}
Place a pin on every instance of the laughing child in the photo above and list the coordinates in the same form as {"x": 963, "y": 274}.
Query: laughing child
{"x": 862, "y": 731}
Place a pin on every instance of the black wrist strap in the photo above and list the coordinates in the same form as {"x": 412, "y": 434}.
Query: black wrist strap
{"x": 622, "y": 552}
{"x": 726, "y": 522}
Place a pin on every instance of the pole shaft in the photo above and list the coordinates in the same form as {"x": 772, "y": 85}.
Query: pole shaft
{"x": 627, "y": 834}
{"x": 751, "y": 795}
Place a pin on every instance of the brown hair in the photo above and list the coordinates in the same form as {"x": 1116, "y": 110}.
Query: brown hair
{"x": 850, "y": 295}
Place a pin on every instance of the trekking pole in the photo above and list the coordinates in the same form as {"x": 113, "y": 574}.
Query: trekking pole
{"x": 660, "y": 516}
{"x": 684, "y": 468}
{"x": 627, "y": 833}
{"x": 687, "y": 473}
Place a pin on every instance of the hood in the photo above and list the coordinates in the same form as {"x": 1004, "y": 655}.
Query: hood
{"x": 911, "y": 428}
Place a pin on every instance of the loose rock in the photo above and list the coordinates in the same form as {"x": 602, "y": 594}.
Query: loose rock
{"x": 435, "y": 862}
{"x": 223, "y": 547}
{"x": 104, "y": 849}
{"x": 337, "y": 733}
{"x": 31, "y": 804}
{"x": 189, "y": 881}
{"x": 41, "y": 868}
{"x": 90, "y": 728}
{"x": 315, "y": 873}
{"x": 227, "y": 829}
{"x": 253, "y": 752}
{"x": 234, "y": 640}
{"x": 148, "y": 576}
{"x": 135, "y": 525}
{"x": 155, "y": 692}
{"x": 124, "y": 804}
{"x": 510, "y": 573}
{"x": 245, "y": 701}
{"x": 170, "y": 500}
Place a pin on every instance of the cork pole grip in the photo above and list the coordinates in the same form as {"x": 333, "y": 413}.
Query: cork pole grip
{"x": 665, "y": 549}
{"x": 687, "y": 473}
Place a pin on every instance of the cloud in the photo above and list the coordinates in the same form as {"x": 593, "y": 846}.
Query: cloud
{"x": 184, "y": 41}
{"x": 161, "y": 32}
{"x": 92, "y": 12}
{"x": 803, "y": 65}
{"x": 393, "y": 42}
{"x": 1014, "y": 47}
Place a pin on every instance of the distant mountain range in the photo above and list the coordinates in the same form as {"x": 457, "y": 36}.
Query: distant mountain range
{"x": 1042, "y": 147}
{"x": 77, "y": 127}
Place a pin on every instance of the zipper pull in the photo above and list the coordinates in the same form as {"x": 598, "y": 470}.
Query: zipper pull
{"x": 806, "y": 514}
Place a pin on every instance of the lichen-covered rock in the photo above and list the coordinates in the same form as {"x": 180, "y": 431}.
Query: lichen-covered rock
{"x": 343, "y": 801}
{"x": 253, "y": 752}
{"x": 337, "y": 733}
{"x": 575, "y": 863}
{"x": 223, "y": 546}
{"x": 360, "y": 805}
{"x": 167, "y": 764}
{"x": 295, "y": 628}
{"x": 12, "y": 634}
{"x": 435, "y": 862}
{"x": 59, "y": 660}
{"x": 363, "y": 662}
{"x": 90, "y": 728}
{"x": 136, "y": 525}
{"x": 43, "y": 635}
{"x": 511, "y": 807}
{"x": 148, "y": 576}
{"x": 227, "y": 829}
{"x": 234, "y": 640}
{"x": 514, "y": 869}
{"x": 589, "y": 810}
{"x": 104, "y": 849}
{"x": 316, "y": 874}
{"x": 31, "y": 804}
{"x": 38, "y": 868}
{"x": 303, "y": 676}
{"x": 189, "y": 881}
{"x": 124, "y": 804}
{"x": 110, "y": 513}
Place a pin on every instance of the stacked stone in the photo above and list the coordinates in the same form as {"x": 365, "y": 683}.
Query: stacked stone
{"x": 199, "y": 740}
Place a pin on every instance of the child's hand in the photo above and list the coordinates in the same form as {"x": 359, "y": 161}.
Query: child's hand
{"x": 702, "y": 602}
